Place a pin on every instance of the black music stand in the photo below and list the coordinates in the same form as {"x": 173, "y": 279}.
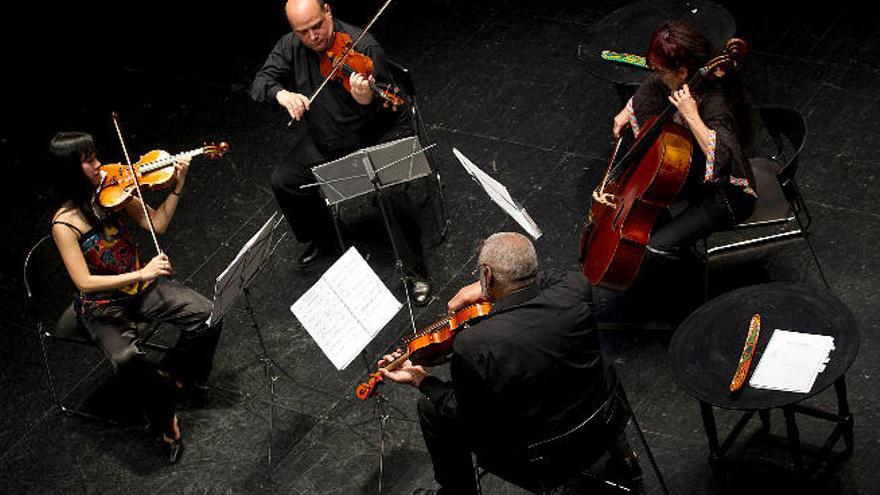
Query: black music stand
{"x": 343, "y": 312}
{"x": 375, "y": 169}
{"x": 235, "y": 281}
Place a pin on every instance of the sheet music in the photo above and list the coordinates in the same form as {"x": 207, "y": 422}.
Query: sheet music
{"x": 346, "y": 308}
{"x": 500, "y": 195}
{"x": 228, "y": 285}
{"x": 792, "y": 361}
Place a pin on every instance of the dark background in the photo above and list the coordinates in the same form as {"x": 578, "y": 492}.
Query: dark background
{"x": 497, "y": 79}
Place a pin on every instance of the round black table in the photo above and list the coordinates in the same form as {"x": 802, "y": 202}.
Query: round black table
{"x": 628, "y": 29}
{"x": 706, "y": 348}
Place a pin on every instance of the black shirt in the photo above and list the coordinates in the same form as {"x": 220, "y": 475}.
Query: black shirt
{"x": 533, "y": 368}
{"x": 730, "y": 167}
{"x": 337, "y": 122}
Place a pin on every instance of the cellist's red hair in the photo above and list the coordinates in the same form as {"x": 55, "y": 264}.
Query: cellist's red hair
{"x": 679, "y": 44}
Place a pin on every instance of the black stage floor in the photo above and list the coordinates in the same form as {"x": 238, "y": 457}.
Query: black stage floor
{"x": 501, "y": 82}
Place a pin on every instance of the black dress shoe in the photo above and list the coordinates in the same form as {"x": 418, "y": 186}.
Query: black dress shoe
{"x": 421, "y": 293}
{"x": 172, "y": 451}
{"x": 312, "y": 254}
{"x": 626, "y": 470}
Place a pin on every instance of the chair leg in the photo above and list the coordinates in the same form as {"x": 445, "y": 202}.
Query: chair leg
{"x": 50, "y": 380}
{"x": 705, "y": 269}
{"x": 806, "y": 237}
{"x": 644, "y": 443}
{"x": 422, "y": 133}
{"x": 60, "y": 401}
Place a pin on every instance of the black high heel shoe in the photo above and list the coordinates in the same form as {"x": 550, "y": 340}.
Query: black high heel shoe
{"x": 174, "y": 449}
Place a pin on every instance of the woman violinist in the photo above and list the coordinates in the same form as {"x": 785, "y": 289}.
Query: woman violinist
{"x": 115, "y": 289}
{"x": 719, "y": 190}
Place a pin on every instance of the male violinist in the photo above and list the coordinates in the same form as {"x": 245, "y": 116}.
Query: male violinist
{"x": 531, "y": 370}
{"x": 339, "y": 122}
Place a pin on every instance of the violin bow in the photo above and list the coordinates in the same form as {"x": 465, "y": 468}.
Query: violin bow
{"x": 137, "y": 183}
{"x": 354, "y": 44}
{"x": 600, "y": 194}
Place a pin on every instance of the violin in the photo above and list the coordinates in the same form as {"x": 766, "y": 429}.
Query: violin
{"x": 154, "y": 169}
{"x": 340, "y": 60}
{"x": 636, "y": 189}
{"x": 431, "y": 346}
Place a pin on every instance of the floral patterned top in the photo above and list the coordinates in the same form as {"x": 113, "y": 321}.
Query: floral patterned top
{"x": 109, "y": 250}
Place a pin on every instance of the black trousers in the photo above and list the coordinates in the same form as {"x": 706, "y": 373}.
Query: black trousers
{"x": 310, "y": 219}
{"x": 450, "y": 448}
{"x": 709, "y": 209}
{"x": 112, "y": 327}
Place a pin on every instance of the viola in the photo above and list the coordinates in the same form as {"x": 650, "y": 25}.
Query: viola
{"x": 431, "y": 346}
{"x": 154, "y": 169}
{"x": 635, "y": 190}
{"x": 340, "y": 60}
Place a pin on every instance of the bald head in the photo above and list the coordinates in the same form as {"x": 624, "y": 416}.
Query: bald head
{"x": 311, "y": 21}
{"x": 512, "y": 260}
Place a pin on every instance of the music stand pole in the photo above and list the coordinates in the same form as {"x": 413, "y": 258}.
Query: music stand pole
{"x": 268, "y": 364}
{"x": 381, "y": 411}
{"x": 404, "y": 278}
{"x": 247, "y": 273}
{"x": 334, "y": 212}
{"x": 381, "y": 400}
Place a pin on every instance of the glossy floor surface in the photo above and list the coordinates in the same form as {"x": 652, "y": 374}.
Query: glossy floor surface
{"x": 501, "y": 82}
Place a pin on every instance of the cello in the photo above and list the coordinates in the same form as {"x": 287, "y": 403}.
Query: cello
{"x": 636, "y": 189}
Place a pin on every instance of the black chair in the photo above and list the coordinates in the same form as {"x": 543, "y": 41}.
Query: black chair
{"x": 403, "y": 77}
{"x": 780, "y": 211}
{"x": 547, "y": 465}
{"x": 49, "y": 292}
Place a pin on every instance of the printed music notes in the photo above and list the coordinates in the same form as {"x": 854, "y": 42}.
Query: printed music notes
{"x": 346, "y": 308}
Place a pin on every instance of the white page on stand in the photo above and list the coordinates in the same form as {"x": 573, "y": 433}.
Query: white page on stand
{"x": 346, "y": 308}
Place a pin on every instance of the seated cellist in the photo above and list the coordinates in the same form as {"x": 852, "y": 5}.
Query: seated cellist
{"x": 719, "y": 190}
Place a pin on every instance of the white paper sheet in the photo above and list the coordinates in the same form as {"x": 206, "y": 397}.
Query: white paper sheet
{"x": 346, "y": 308}
{"x": 792, "y": 361}
{"x": 500, "y": 195}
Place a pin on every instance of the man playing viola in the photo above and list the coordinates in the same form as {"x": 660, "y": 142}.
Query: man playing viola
{"x": 339, "y": 122}
{"x": 529, "y": 371}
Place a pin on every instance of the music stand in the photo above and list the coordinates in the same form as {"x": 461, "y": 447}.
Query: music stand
{"x": 500, "y": 195}
{"x": 374, "y": 169}
{"x": 235, "y": 281}
{"x": 343, "y": 312}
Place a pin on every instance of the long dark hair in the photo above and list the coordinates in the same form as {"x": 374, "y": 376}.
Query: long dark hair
{"x": 68, "y": 150}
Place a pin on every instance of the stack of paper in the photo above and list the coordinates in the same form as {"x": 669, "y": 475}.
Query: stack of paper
{"x": 792, "y": 361}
